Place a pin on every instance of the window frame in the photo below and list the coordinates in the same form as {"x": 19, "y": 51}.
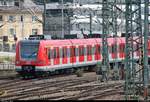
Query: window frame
{"x": 55, "y": 52}
{"x": 21, "y": 18}
{"x": 10, "y": 31}
{"x": 113, "y": 48}
{"x": 122, "y": 48}
{"x": 72, "y": 51}
{"x": 11, "y": 18}
{"x": 64, "y": 52}
{"x": 98, "y": 49}
{"x": 89, "y": 50}
{"x": 34, "y": 18}
{"x": 49, "y": 53}
{"x": 81, "y": 50}
{"x": 35, "y": 31}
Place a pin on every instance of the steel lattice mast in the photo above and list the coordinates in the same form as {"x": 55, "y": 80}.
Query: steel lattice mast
{"x": 134, "y": 43}
{"x": 114, "y": 27}
{"x": 109, "y": 25}
{"x": 105, "y": 32}
{"x": 146, "y": 31}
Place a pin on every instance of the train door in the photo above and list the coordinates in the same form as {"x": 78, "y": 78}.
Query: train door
{"x": 72, "y": 54}
{"x": 56, "y": 56}
{"x": 89, "y": 53}
{"x": 121, "y": 50}
{"x": 81, "y": 53}
{"x": 97, "y": 52}
{"x": 64, "y": 55}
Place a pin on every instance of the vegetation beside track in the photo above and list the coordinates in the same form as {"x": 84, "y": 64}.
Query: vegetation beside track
{"x": 7, "y": 59}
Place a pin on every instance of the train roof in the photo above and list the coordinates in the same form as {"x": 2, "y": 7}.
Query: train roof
{"x": 70, "y": 42}
{"x": 56, "y": 42}
{"x": 111, "y": 41}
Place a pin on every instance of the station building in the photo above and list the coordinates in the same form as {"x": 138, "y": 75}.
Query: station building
{"x": 19, "y": 19}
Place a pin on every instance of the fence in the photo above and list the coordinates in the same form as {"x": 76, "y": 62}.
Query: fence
{"x": 7, "y": 66}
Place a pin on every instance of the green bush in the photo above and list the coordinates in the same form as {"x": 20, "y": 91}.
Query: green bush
{"x": 79, "y": 73}
{"x": 7, "y": 59}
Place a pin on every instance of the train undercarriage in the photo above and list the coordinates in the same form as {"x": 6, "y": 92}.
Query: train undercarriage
{"x": 29, "y": 72}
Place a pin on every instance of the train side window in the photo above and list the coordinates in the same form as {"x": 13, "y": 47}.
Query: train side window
{"x": 93, "y": 50}
{"x": 56, "y": 52}
{"x": 73, "y": 52}
{"x": 68, "y": 52}
{"x": 64, "y": 52}
{"x": 113, "y": 50}
{"x": 89, "y": 50}
{"x": 49, "y": 53}
{"x": 81, "y": 51}
{"x": 122, "y": 48}
{"x": 77, "y": 50}
{"x": 98, "y": 49}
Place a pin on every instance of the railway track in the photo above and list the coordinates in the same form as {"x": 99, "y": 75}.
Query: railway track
{"x": 65, "y": 87}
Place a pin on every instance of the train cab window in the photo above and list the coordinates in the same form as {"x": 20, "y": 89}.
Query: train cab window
{"x": 64, "y": 52}
{"x": 56, "y": 52}
{"x": 89, "y": 50}
{"x": 29, "y": 51}
{"x": 122, "y": 48}
{"x": 81, "y": 50}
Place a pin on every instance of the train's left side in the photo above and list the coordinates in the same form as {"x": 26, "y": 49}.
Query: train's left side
{"x": 44, "y": 57}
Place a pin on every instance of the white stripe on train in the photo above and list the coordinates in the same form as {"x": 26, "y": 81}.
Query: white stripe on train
{"x": 65, "y": 66}
{"x": 60, "y": 66}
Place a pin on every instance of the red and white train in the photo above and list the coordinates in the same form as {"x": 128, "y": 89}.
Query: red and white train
{"x": 39, "y": 56}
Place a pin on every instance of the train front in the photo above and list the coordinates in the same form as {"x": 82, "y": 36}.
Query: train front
{"x": 28, "y": 57}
